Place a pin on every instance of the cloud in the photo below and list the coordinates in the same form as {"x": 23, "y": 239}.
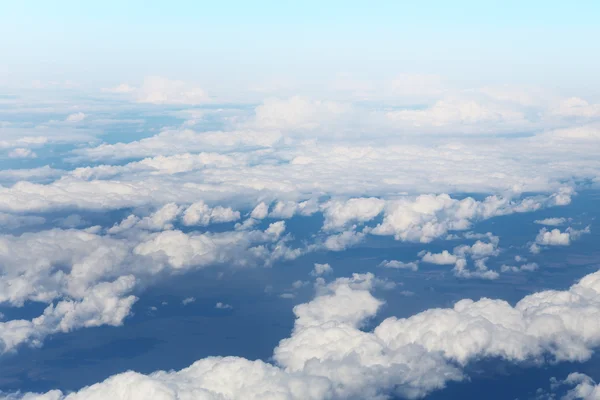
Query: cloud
{"x": 188, "y": 300}
{"x": 297, "y": 114}
{"x": 86, "y": 277}
{"x": 223, "y": 306}
{"x": 555, "y": 237}
{"x": 427, "y": 217}
{"x": 339, "y": 214}
{"x": 321, "y": 269}
{"x": 551, "y": 221}
{"x": 581, "y": 386}
{"x": 160, "y": 90}
{"x": 399, "y": 265}
{"x": 21, "y": 152}
{"x": 329, "y": 356}
{"x": 479, "y": 253}
{"x": 525, "y": 267}
{"x": 443, "y": 258}
{"x": 343, "y": 240}
{"x": 122, "y": 88}
{"x": 201, "y": 214}
{"x": 76, "y": 117}
{"x": 481, "y": 270}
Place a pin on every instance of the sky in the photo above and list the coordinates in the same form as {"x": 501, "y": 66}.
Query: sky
{"x": 292, "y": 201}
{"x": 231, "y": 44}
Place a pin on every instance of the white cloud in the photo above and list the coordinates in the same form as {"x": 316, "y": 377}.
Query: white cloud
{"x": 339, "y": 214}
{"x": 399, "y": 265}
{"x": 443, "y": 258}
{"x": 343, "y": 240}
{"x": 223, "y": 306}
{"x": 297, "y": 113}
{"x": 329, "y": 356}
{"x": 551, "y": 221}
{"x": 188, "y": 300}
{"x": 122, "y": 88}
{"x": 481, "y": 270}
{"x": 22, "y": 152}
{"x": 555, "y": 237}
{"x": 160, "y": 90}
{"x": 581, "y": 387}
{"x": 260, "y": 211}
{"x": 76, "y": 117}
{"x": 201, "y": 214}
{"x": 321, "y": 269}
{"x": 525, "y": 267}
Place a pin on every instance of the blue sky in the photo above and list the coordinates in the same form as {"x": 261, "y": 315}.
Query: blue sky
{"x": 236, "y": 42}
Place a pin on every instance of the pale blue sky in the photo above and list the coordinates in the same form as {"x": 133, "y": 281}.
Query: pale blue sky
{"x": 552, "y": 43}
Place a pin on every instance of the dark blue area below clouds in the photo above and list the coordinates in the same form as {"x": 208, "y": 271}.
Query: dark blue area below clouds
{"x": 173, "y": 336}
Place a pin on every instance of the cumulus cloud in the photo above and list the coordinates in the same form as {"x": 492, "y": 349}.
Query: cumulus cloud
{"x": 395, "y": 264}
{"x": 555, "y": 237}
{"x": 201, "y": 214}
{"x": 21, "y": 152}
{"x": 343, "y": 240}
{"x": 524, "y": 267}
{"x": 297, "y": 113}
{"x": 443, "y": 258}
{"x": 86, "y": 276}
{"x": 479, "y": 252}
{"x": 76, "y": 117}
{"x": 427, "y": 217}
{"x": 582, "y": 387}
{"x": 160, "y": 90}
{"x": 329, "y": 356}
{"x": 321, "y": 269}
{"x": 339, "y": 214}
{"x": 551, "y": 221}
{"x": 188, "y": 300}
{"x": 223, "y": 306}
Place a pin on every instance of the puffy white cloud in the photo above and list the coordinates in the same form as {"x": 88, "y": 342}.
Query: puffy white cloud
{"x": 329, "y": 356}
{"x": 551, "y": 221}
{"x": 463, "y": 116}
{"x": 339, "y": 214}
{"x": 201, "y": 214}
{"x": 555, "y": 237}
{"x": 260, "y": 211}
{"x": 321, "y": 269}
{"x": 524, "y": 267}
{"x": 106, "y": 303}
{"x": 428, "y": 217}
{"x": 479, "y": 252}
{"x": 188, "y": 300}
{"x": 479, "y": 249}
{"x": 86, "y": 277}
{"x": 585, "y": 388}
{"x": 21, "y": 152}
{"x": 223, "y": 306}
{"x": 481, "y": 270}
{"x": 173, "y": 142}
{"x": 11, "y": 221}
{"x": 297, "y": 113}
{"x": 121, "y": 88}
{"x": 399, "y": 264}
{"x": 577, "y": 107}
{"x": 342, "y": 241}
{"x": 443, "y": 258}
{"x": 76, "y": 117}
{"x": 159, "y": 90}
